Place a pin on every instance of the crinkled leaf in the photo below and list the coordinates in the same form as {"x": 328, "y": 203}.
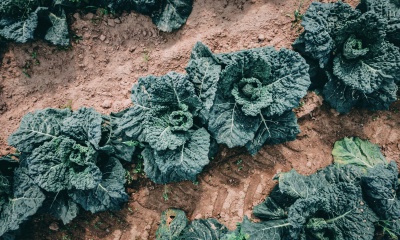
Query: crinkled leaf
{"x": 343, "y": 98}
{"x": 380, "y": 186}
{"x": 23, "y": 31}
{"x": 109, "y": 194}
{"x": 270, "y": 210}
{"x": 175, "y": 91}
{"x": 123, "y": 151}
{"x": 62, "y": 207}
{"x": 271, "y": 230}
{"x": 202, "y": 229}
{"x": 57, "y": 34}
{"x": 338, "y": 211}
{"x": 355, "y": 151}
{"x": 203, "y": 72}
{"x": 181, "y": 164}
{"x": 7, "y": 166}
{"x": 361, "y": 64}
{"x": 173, "y": 221}
{"x": 229, "y": 125}
{"x": 387, "y": 9}
{"x": 37, "y": 128}
{"x": 294, "y": 185}
{"x": 63, "y": 164}
{"x": 140, "y": 92}
{"x": 130, "y": 126}
{"x": 164, "y": 132}
{"x": 172, "y": 14}
{"x": 274, "y": 130}
{"x": 84, "y": 125}
{"x": 282, "y": 74}
{"x": 321, "y": 23}
{"x": 26, "y": 200}
{"x": 380, "y": 99}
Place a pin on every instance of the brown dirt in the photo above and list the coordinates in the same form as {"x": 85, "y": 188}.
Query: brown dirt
{"x": 100, "y": 69}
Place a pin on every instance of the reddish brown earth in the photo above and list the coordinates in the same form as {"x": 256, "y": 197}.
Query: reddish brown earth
{"x": 110, "y": 54}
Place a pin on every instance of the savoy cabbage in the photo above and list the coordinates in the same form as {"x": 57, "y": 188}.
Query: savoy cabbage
{"x": 350, "y": 48}
{"x": 350, "y": 199}
{"x": 248, "y": 96}
{"x": 74, "y": 157}
{"x": 164, "y": 117}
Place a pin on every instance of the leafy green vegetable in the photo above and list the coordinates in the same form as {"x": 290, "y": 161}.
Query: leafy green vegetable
{"x": 75, "y": 158}
{"x": 251, "y": 94}
{"x": 165, "y": 111}
{"x": 358, "y": 152}
{"x": 37, "y": 128}
{"x": 23, "y": 30}
{"x": 172, "y": 14}
{"x": 350, "y": 47}
{"x": 181, "y": 164}
{"x": 109, "y": 193}
{"x": 20, "y": 198}
{"x": 63, "y": 164}
{"x": 173, "y": 221}
{"x": 204, "y": 229}
{"x": 388, "y": 9}
{"x": 203, "y": 70}
{"x": 58, "y": 34}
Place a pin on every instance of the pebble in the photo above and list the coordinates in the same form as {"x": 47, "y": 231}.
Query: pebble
{"x": 308, "y": 164}
{"x": 102, "y": 37}
{"x": 76, "y": 16}
{"x": 261, "y": 37}
{"x": 89, "y": 16}
{"x": 106, "y": 104}
{"x": 117, "y": 21}
{"x": 111, "y": 22}
{"x": 54, "y": 226}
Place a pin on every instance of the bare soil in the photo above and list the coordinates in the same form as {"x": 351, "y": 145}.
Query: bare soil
{"x": 108, "y": 56}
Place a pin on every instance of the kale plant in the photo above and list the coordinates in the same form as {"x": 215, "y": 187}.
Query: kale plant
{"x": 75, "y": 158}
{"x": 248, "y": 96}
{"x": 164, "y": 117}
{"x": 350, "y": 48}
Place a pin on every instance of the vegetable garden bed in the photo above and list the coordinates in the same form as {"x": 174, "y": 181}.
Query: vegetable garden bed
{"x": 104, "y": 62}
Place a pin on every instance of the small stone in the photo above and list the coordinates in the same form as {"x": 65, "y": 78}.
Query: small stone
{"x": 54, "y": 226}
{"x": 111, "y": 22}
{"x": 76, "y": 16}
{"x": 308, "y": 164}
{"x": 261, "y": 37}
{"x": 144, "y": 33}
{"x": 117, "y": 21}
{"x": 89, "y": 16}
{"x": 106, "y": 104}
{"x": 102, "y": 37}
